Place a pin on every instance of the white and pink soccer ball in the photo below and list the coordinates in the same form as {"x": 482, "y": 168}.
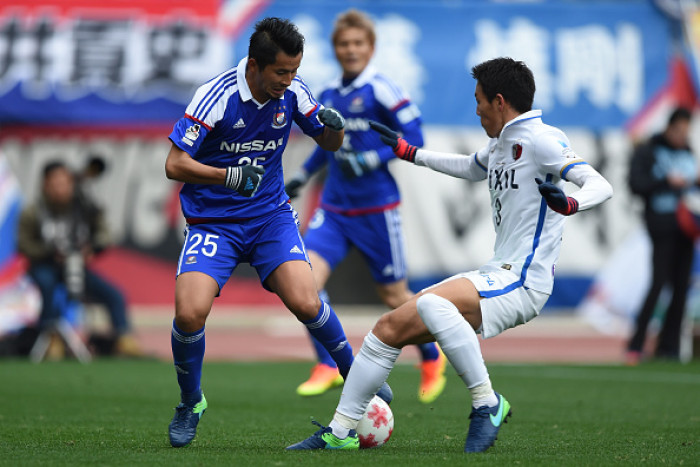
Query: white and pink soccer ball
{"x": 376, "y": 425}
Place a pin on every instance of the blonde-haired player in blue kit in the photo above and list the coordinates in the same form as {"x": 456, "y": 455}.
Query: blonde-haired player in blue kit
{"x": 360, "y": 202}
{"x": 525, "y": 164}
{"x": 227, "y": 148}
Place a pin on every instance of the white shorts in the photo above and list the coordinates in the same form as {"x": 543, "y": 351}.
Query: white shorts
{"x": 505, "y": 302}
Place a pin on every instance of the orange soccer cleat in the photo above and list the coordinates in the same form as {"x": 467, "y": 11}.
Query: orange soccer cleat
{"x": 323, "y": 378}
{"x": 432, "y": 379}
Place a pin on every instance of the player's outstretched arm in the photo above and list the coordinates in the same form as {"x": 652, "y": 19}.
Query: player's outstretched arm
{"x": 332, "y": 137}
{"x": 400, "y": 146}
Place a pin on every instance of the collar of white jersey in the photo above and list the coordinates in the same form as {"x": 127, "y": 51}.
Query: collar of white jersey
{"x": 360, "y": 80}
{"x": 530, "y": 115}
{"x": 243, "y": 88}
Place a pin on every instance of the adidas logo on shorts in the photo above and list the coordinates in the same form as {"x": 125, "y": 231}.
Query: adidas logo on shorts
{"x": 296, "y": 249}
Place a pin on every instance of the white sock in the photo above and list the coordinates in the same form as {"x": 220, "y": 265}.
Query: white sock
{"x": 459, "y": 343}
{"x": 483, "y": 395}
{"x": 341, "y": 425}
{"x": 368, "y": 372}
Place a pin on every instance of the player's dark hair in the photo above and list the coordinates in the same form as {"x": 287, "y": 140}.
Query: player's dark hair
{"x": 51, "y": 166}
{"x": 271, "y": 36}
{"x": 353, "y": 19}
{"x": 510, "y": 78}
{"x": 679, "y": 114}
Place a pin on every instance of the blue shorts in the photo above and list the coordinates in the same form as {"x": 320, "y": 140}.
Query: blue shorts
{"x": 216, "y": 248}
{"x": 377, "y": 236}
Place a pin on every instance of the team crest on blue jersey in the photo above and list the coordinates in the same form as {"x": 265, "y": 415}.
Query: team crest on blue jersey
{"x": 279, "y": 120}
{"x": 517, "y": 151}
{"x": 357, "y": 105}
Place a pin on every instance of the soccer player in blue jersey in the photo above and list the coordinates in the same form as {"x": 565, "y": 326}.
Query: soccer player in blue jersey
{"x": 360, "y": 202}
{"x": 525, "y": 165}
{"x": 227, "y": 150}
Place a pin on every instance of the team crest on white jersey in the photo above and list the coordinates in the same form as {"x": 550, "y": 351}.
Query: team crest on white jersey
{"x": 517, "y": 151}
{"x": 279, "y": 120}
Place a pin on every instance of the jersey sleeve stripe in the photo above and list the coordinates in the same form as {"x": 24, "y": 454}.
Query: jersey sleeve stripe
{"x": 308, "y": 114}
{"x": 306, "y": 90}
{"x": 226, "y": 88}
{"x": 476, "y": 159}
{"x": 198, "y": 121}
{"x": 387, "y": 85}
{"x": 571, "y": 165}
{"x": 212, "y": 90}
{"x": 399, "y": 105}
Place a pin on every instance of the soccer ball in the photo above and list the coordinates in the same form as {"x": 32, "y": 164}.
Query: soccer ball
{"x": 376, "y": 425}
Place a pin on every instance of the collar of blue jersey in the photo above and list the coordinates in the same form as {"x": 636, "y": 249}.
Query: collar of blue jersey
{"x": 243, "y": 88}
{"x": 530, "y": 115}
{"x": 363, "y": 78}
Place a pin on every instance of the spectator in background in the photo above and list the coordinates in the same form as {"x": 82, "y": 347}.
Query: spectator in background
{"x": 59, "y": 235}
{"x": 360, "y": 201}
{"x": 661, "y": 171}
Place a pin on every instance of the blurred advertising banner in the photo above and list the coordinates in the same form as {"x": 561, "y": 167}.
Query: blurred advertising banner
{"x": 117, "y": 62}
{"x": 595, "y": 63}
{"x": 135, "y": 62}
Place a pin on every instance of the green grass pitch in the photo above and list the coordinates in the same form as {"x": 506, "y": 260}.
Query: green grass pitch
{"x": 114, "y": 412}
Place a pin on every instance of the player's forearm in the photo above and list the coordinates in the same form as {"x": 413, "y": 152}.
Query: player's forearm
{"x": 594, "y": 188}
{"x": 330, "y": 140}
{"x": 457, "y": 165}
{"x": 181, "y": 167}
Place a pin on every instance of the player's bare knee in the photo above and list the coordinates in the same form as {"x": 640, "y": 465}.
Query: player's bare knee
{"x": 189, "y": 322}
{"x": 388, "y": 330}
{"x": 305, "y": 309}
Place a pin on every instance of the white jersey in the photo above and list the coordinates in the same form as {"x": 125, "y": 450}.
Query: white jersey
{"x": 528, "y": 234}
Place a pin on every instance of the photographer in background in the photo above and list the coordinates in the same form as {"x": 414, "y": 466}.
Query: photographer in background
{"x": 59, "y": 235}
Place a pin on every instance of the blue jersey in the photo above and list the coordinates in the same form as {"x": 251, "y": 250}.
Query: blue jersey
{"x": 370, "y": 96}
{"x": 225, "y": 126}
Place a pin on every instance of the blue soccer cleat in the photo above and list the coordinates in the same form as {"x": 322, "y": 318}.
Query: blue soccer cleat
{"x": 484, "y": 425}
{"x": 183, "y": 428}
{"x": 385, "y": 393}
{"x": 325, "y": 439}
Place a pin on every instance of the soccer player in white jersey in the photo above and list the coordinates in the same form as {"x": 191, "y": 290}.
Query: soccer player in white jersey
{"x": 359, "y": 205}
{"x": 525, "y": 165}
{"x": 227, "y": 149}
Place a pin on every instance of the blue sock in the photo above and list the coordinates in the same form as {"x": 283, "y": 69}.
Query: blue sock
{"x": 321, "y": 352}
{"x": 188, "y": 355}
{"x": 429, "y": 351}
{"x": 326, "y": 328}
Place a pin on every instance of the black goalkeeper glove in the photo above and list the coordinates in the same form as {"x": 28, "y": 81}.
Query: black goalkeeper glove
{"x": 331, "y": 118}
{"x": 556, "y": 199}
{"x": 400, "y": 146}
{"x": 293, "y": 186}
{"x": 358, "y": 163}
{"x": 245, "y": 179}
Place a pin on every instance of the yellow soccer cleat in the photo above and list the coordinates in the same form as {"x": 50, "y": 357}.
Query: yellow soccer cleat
{"x": 323, "y": 378}
{"x": 432, "y": 379}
